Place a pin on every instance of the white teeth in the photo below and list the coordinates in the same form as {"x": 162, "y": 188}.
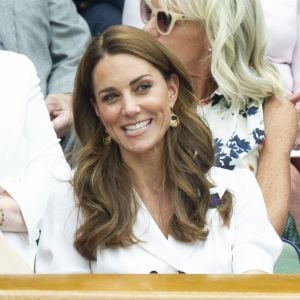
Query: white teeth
{"x": 137, "y": 126}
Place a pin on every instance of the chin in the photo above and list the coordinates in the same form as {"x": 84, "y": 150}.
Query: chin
{"x": 139, "y": 149}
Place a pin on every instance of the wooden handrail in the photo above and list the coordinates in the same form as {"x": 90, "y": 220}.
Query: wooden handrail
{"x": 181, "y": 286}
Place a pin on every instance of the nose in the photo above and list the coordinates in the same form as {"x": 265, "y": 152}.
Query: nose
{"x": 130, "y": 106}
{"x": 151, "y": 28}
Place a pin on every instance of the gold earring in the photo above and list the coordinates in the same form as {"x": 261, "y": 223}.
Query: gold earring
{"x": 174, "y": 122}
{"x": 107, "y": 140}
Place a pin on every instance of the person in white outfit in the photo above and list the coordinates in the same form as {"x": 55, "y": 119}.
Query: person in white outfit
{"x": 30, "y": 154}
{"x": 145, "y": 197}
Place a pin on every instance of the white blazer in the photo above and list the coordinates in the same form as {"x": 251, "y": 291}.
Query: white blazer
{"x": 249, "y": 243}
{"x": 30, "y": 150}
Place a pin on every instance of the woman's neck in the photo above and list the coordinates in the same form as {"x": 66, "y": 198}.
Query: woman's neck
{"x": 146, "y": 169}
{"x": 203, "y": 82}
{"x": 156, "y": 199}
{"x": 149, "y": 183}
{"x": 148, "y": 178}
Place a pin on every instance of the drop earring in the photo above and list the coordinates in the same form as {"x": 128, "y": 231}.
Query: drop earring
{"x": 106, "y": 139}
{"x": 174, "y": 122}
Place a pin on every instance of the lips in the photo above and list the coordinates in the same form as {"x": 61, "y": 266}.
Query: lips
{"x": 137, "y": 127}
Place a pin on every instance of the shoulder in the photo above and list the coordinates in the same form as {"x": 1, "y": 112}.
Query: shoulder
{"x": 229, "y": 175}
{"x": 16, "y": 64}
{"x": 18, "y": 77}
{"x": 12, "y": 58}
{"x": 236, "y": 181}
{"x": 243, "y": 186}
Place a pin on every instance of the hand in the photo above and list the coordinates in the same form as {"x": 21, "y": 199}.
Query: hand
{"x": 60, "y": 110}
{"x": 83, "y": 4}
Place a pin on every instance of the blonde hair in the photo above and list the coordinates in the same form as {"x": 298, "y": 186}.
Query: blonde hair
{"x": 236, "y": 32}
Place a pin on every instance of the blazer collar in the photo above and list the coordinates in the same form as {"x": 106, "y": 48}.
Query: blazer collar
{"x": 169, "y": 250}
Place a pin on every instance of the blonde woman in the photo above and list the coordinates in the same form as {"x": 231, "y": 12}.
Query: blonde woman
{"x": 222, "y": 44}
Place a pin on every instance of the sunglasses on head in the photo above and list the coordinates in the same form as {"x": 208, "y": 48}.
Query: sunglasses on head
{"x": 165, "y": 20}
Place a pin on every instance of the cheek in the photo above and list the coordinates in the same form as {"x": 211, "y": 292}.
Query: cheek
{"x": 173, "y": 45}
{"x": 165, "y": 112}
{"x": 108, "y": 115}
{"x": 167, "y": 116}
{"x": 166, "y": 41}
{"x": 160, "y": 104}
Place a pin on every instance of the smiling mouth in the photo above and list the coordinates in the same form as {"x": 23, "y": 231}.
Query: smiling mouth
{"x": 137, "y": 127}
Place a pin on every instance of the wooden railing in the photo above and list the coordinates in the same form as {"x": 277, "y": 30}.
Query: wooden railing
{"x": 130, "y": 287}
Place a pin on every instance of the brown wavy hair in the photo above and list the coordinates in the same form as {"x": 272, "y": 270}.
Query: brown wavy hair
{"x": 102, "y": 182}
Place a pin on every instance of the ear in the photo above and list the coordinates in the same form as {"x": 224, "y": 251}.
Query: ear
{"x": 173, "y": 87}
{"x": 95, "y": 106}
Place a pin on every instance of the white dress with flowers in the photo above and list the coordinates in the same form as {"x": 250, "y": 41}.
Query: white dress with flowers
{"x": 238, "y": 135}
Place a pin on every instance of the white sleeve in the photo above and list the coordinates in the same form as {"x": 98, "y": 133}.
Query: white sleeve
{"x": 56, "y": 253}
{"x": 31, "y": 177}
{"x": 256, "y": 245}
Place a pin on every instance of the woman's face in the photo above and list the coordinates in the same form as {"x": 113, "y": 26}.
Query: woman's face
{"x": 187, "y": 40}
{"x": 133, "y": 101}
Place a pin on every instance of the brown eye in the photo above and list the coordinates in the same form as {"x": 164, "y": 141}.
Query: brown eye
{"x": 144, "y": 87}
{"x": 109, "y": 97}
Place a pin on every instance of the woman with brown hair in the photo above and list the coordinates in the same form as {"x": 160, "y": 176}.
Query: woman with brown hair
{"x": 145, "y": 196}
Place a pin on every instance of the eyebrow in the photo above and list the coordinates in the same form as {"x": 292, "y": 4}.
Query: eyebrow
{"x": 131, "y": 83}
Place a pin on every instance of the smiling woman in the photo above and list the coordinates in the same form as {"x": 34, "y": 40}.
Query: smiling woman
{"x": 134, "y": 104}
{"x": 147, "y": 197}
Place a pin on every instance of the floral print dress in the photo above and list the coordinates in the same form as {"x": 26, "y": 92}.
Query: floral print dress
{"x": 238, "y": 135}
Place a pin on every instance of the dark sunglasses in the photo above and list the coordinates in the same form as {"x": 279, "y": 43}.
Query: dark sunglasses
{"x": 165, "y": 20}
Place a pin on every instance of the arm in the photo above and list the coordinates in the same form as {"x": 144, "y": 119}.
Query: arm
{"x": 273, "y": 172}
{"x": 37, "y": 155}
{"x": 69, "y": 37}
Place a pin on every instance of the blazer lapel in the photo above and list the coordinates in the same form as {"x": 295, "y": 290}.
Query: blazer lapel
{"x": 152, "y": 239}
{"x": 169, "y": 250}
